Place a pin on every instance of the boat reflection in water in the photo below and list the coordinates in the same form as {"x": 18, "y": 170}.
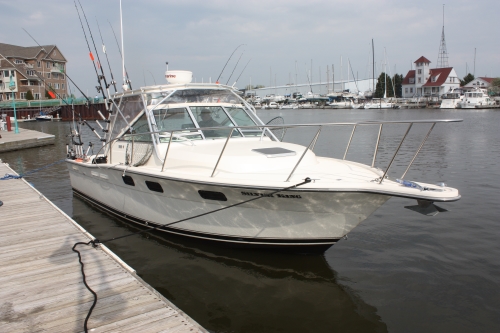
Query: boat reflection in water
{"x": 237, "y": 290}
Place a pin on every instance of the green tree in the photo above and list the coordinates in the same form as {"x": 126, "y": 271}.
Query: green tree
{"x": 398, "y": 84}
{"x": 495, "y": 87}
{"x": 381, "y": 87}
{"x": 29, "y": 96}
{"x": 468, "y": 78}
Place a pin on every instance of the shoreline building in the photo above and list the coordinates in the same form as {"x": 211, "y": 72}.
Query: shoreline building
{"x": 425, "y": 82}
{"x": 26, "y": 65}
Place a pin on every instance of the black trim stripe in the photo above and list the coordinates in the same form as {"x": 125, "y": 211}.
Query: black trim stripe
{"x": 321, "y": 242}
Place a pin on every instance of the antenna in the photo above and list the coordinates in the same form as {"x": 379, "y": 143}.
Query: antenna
{"x": 443, "y": 54}
{"x": 474, "y": 73}
{"x": 125, "y": 86}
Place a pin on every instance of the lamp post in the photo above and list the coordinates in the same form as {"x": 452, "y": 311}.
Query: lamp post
{"x": 12, "y": 87}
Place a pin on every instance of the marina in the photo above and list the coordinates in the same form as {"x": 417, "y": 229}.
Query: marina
{"x": 397, "y": 271}
{"x": 42, "y": 287}
{"x": 331, "y": 198}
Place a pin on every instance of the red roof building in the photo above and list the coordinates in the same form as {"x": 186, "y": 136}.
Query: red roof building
{"x": 424, "y": 81}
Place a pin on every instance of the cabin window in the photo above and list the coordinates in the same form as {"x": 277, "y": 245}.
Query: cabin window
{"x": 175, "y": 119}
{"x": 202, "y": 96}
{"x": 154, "y": 186}
{"x": 213, "y": 116}
{"x": 131, "y": 108}
{"x": 128, "y": 180}
{"x": 211, "y": 195}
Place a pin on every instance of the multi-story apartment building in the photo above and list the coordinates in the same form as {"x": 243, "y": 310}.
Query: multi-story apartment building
{"x": 32, "y": 68}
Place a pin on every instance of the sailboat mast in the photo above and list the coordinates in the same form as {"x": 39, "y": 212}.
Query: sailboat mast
{"x": 373, "y": 67}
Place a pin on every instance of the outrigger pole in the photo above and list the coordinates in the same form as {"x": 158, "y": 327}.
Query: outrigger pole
{"x": 99, "y": 88}
{"x": 121, "y": 56}
{"x": 113, "y": 82}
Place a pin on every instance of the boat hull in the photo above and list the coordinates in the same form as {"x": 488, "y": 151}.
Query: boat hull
{"x": 306, "y": 220}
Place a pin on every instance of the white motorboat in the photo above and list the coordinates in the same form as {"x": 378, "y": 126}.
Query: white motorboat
{"x": 195, "y": 160}
{"x": 379, "y": 104}
{"x": 476, "y": 98}
{"x": 290, "y": 106}
{"x": 44, "y": 117}
{"x": 451, "y": 99}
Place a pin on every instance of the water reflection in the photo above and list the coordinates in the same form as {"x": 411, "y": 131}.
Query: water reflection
{"x": 235, "y": 290}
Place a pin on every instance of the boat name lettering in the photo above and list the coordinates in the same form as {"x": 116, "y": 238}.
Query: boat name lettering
{"x": 170, "y": 76}
{"x": 286, "y": 196}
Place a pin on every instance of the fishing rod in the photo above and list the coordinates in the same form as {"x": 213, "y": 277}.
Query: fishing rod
{"x": 228, "y": 61}
{"x": 102, "y": 77}
{"x": 76, "y": 86}
{"x": 99, "y": 88}
{"x": 243, "y": 70}
{"x": 235, "y": 67}
{"x": 113, "y": 82}
{"x": 119, "y": 50}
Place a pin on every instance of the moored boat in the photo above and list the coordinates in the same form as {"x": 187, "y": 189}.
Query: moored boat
{"x": 196, "y": 160}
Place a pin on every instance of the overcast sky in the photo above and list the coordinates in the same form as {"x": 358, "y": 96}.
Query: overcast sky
{"x": 281, "y": 37}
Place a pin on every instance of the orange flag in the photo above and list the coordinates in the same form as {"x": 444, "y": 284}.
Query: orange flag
{"x": 52, "y": 94}
{"x": 91, "y": 56}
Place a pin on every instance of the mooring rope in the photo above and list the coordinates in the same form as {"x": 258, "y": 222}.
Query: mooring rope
{"x": 11, "y": 176}
{"x": 95, "y": 242}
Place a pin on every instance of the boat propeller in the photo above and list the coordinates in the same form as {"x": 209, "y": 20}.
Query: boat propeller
{"x": 426, "y": 207}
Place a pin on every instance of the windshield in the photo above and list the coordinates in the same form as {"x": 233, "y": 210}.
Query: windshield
{"x": 213, "y": 116}
{"x": 243, "y": 119}
{"x": 175, "y": 119}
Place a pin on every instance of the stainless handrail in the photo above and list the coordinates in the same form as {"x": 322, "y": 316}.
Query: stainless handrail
{"x": 376, "y": 146}
{"x": 166, "y": 153}
{"x": 222, "y": 152}
{"x": 418, "y": 150}
{"x": 266, "y": 128}
{"x": 349, "y": 143}
{"x": 304, "y": 153}
{"x": 397, "y": 150}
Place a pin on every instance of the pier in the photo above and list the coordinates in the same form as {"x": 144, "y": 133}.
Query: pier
{"x": 42, "y": 288}
{"x": 24, "y": 139}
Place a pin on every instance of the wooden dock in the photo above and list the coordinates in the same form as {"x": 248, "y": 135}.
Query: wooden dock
{"x": 41, "y": 281}
{"x": 24, "y": 139}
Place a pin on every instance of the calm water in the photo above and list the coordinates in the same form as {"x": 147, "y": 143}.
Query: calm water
{"x": 398, "y": 271}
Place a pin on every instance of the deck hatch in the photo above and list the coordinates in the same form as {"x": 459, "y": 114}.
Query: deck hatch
{"x": 154, "y": 186}
{"x": 275, "y": 152}
{"x": 128, "y": 180}
{"x": 211, "y": 195}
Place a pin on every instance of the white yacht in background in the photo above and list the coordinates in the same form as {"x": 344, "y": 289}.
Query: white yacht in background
{"x": 379, "y": 103}
{"x": 451, "y": 99}
{"x": 475, "y": 99}
{"x": 195, "y": 160}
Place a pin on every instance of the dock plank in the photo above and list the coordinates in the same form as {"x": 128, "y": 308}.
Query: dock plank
{"x": 42, "y": 288}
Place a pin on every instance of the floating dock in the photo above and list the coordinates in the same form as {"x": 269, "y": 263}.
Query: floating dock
{"x": 24, "y": 139}
{"x": 41, "y": 281}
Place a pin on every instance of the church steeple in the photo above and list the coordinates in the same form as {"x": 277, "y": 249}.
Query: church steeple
{"x": 443, "y": 54}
